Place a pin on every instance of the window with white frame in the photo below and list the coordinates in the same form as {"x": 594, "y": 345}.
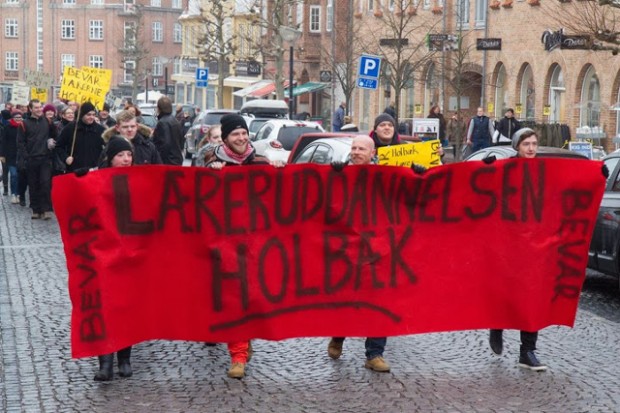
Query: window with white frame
{"x": 176, "y": 65}
{"x": 95, "y": 30}
{"x": 67, "y": 29}
{"x": 481, "y": 12}
{"x": 329, "y": 15}
{"x": 158, "y": 33}
{"x": 156, "y": 3}
{"x": 95, "y": 61}
{"x": 12, "y": 1}
{"x": 391, "y": 5}
{"x": 176, "y": 4}
{"x": 66, "y": 60}
{"x": 177, "y": 33}
{"x": 315, "y": 18}
{"x": 97, "y": 2}
{"x": 157, "y": 68}
{"x": 462, "y": 12}
{"x": 11, "y": 61}
{"x": 10, "y": 27}
{"x": 130, "y": 35}
{"x": 68, "y": 1}
{"x": 427, "y": 4}
{"x": 128, "y": 71}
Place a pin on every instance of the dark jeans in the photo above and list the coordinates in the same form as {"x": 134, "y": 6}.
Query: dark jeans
{"x": 40, "y": 184}
{"x": 12, "y": 170}
{"x": 479, "y": 144}
{"x": 528, "y": 341}
{"x": 22, "y": 184}
{"x": 5, "y": 176}
{"x": 374, "y": 346}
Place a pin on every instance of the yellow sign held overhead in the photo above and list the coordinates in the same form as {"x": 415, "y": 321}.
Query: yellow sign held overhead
{"x": 38, "y": 93}
{"x": 89, "y": 85}
{"x": 421, "y": 153}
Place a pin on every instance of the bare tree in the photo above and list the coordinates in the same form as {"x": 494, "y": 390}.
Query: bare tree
{"x": 343, "y": 57}
{"x": 270, "y": 16}
{"x": 217, "y": 41}
{"x": 403, "y": 50}
{"x": 134, "y": 49}
{"x": 600, "y": 20}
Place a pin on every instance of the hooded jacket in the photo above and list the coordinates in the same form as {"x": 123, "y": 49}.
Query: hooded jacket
{"x": 144, "y": 151}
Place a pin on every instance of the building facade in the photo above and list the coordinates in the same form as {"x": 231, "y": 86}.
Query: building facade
{"x": 47, "y": 35}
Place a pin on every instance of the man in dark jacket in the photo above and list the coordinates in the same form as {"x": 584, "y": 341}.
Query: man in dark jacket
{"x": 168, "y": 134}
{"x": 508, "y": 125}
{"x": 32, "y": 143}
{"x": 8, "y": 152}
{"x": 86, "y": 150}
{"x": 480, "y": 131}
{"x": 384, "y": 132}
{"x": 144, "y": 151}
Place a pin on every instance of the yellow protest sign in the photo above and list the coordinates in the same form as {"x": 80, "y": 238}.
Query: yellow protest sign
{"x": 421, "y": 153}
{"x": 38, "y": 93}
{"x": 104, "y": 74}
{"x": 84, "y": 86}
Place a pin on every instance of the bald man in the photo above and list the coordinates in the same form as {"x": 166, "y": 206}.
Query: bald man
{"x": 362, "y": 153}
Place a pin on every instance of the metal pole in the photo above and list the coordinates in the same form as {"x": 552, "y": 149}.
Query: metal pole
{"x": 146, "y": 89}
{"x": 166, "y": 80}
{"x": 290, "y": 85}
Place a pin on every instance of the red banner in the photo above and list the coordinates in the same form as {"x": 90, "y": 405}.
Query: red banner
{"x": 157, "y": 252}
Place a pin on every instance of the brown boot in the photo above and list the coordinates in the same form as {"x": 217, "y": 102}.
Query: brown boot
{"x": 334, "y": 349}
{"x": 378, "y": 364}
{"x": 236, "y": 371}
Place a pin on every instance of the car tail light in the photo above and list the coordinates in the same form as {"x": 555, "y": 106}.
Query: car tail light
{"x": 204, "y": 129}
{"x": 275, "y": 144}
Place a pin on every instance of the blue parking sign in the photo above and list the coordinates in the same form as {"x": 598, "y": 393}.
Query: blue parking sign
{"x": 202, "y": 77}
{"x": 369, "y": 66}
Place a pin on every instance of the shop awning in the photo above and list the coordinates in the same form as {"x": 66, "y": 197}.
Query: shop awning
{"x": 307, "y": 88}
{"x": 239, "y": 81}
{"x": 265, "y": 90}
{"x": 246, "y": 91}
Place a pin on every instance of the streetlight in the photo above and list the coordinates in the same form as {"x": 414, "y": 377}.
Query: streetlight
{"x": 290, "y": 35}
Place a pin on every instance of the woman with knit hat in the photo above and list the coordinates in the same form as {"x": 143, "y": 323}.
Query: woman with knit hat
{"x": 8, "y": 152}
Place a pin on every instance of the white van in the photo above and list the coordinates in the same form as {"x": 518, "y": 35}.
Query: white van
{"x": 258, "y": 111}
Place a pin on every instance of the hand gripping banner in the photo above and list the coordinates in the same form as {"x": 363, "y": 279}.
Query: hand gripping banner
{"x": 157, "y": 252}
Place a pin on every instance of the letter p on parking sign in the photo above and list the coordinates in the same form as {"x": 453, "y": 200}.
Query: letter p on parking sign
{"x": 369, "y": 66}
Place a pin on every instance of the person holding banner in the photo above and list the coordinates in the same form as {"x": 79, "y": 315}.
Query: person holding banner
{"x": 35, "y": 154}
{"x": 525, "y": 142}
{"x": 236, "y": 150}
{"x": 363, "y": 152}
{"x": 118, "y": 153}
{"x": 144, "y": 151}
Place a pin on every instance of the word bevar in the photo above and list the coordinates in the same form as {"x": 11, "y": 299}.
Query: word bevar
{"x": 237, "y": 203}
{"x": 281, "y": 278}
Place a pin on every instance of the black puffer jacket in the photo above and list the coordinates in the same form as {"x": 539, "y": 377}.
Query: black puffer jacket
{"x": 32, "y": 138}
{"x": 168, "y": 139}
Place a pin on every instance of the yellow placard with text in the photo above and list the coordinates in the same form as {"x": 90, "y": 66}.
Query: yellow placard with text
{"x": 417, "y": 109}
{"x": 104, "y": 74}
{"x": 38, "y": 93}
{"x": 421, "y": 153}
{"x": 84, "y": 86}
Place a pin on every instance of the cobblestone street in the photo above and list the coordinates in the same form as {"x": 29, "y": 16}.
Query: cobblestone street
{"x": 446, "y": 372}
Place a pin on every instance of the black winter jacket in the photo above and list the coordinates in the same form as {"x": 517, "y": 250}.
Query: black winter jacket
{"x": 32, "y": 137}
{"x": 168, "y": 139}
{"x": 88, "y": 144}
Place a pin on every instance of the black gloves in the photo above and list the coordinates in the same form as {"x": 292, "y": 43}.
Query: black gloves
{"x": 338, "y": 166}
{"x": 489, "y": 159}
{"x": 605, "y": 171}
{"x": 81, "y": 172}
{"x": 418, "y": 169}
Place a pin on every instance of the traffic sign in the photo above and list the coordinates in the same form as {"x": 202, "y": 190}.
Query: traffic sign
{"x": 369, "y": 66}
{"x": 202, "y": 77}
{"x": 366, "y": 83}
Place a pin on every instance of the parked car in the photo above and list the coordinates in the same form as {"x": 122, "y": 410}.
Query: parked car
{"x": 604, "y": 252}
{"x": 258, "y": 111}
{"x": 276, "y": 137}
{"x": 149, "y": 120}
{"x": 505, "y": 152}
{"x": 307, "y": 138}
{"x": 200, "y": 126}
{"x": 324, "y": 151}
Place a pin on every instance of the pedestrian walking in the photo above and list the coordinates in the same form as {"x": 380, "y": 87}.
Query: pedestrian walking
{"x": 168, "y": 134}
{"x": 338, "y": 119}
{"x": 456, "y": 131}
{"x": 8, "y": 153}
{"x": 435, "y": 113}
{"x": 506, "y": 127}
{"x": 525, "y": 142}
{"x": 236, "y": 150}
{"x": 480, "y": 131}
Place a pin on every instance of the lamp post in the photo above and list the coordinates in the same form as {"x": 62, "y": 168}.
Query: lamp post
{"x": 290, "y": 35}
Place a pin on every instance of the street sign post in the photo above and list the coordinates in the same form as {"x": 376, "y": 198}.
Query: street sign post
{"x": 368, "y": 73}
{"x": 202, "y": 77}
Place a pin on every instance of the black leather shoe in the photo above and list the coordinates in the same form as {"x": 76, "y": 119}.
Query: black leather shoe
{"x": 106, "y": 364}
{"x": 124, "y": 365}
{"x": 530, "y": 361}
{"x": 496, "y": 341}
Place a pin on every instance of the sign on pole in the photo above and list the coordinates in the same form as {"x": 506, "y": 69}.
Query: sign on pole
{"x": 368, "y": 73}
{"x": 584, "y": 148}
{"x": 202, "y": 77}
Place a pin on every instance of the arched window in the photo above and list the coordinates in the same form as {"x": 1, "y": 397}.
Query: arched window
{"x": 590, "y": 99}
{"x": 501, "y": 102}
{"x": 556, "y": 93}
{"x": 528, "y": 94}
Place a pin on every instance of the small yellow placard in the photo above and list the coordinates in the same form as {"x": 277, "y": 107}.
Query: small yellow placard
{"x": 417, "y": 109}
{"x": 490, "y": 108}
{"x": 546, "y": 110}
{"x": 518, "y": 108}
{"x": 421, "y": 153}
{"x": 38, "y": 93}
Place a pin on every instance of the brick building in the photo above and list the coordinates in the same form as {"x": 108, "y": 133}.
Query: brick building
{"x": 46, "y": 35}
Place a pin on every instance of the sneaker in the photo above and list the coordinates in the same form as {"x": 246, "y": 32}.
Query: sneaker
{"x": 334, "y": 349}
{"x": 35, "y": 215}
{"x": 378, "y": 364}
{"x": 530, "y": 361}
{"x": 496, "y": 341}
{"x": 236, "y": 371}
{"x": 46, "y": 216}
{"x": 14, "y": 199}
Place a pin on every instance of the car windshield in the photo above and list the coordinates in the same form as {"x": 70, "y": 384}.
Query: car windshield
{"x": 212, "y": 118}
{"x": 256, "y": 124}
{"x": 289, "y": 135}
